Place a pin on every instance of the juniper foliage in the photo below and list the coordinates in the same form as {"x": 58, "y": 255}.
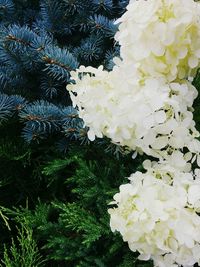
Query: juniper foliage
{"x": 73, "y": 226}
{"x": 28, "y": 254}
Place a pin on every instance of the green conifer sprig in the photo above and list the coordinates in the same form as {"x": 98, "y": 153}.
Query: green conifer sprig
{"x": 23, "y": 254}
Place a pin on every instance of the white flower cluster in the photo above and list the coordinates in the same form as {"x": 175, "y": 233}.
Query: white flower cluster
{"x": 156, "y": 215}
{"x": 162, "y": 36}
{"x": 146, "y": 111}
{"x": 145, "y": 103}
{"x": 154, "y": 117}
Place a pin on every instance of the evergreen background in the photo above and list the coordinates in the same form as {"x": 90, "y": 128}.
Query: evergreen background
{"x": 55, "y": 186}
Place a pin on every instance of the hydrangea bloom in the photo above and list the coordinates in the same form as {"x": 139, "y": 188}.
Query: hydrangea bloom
{"x": 154, "y": 117}
{"x": 156, "y": 214}
{"x": 145, "y": 103}
{"x": 162, "y": 37}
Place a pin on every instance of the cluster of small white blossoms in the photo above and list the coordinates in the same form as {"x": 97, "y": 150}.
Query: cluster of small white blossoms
{"x": 156, "y": 214}
{"x": 161, "y": 36}
{"x": 146, "y": 111}
{"x": 153, "y": 117}
{"x": 145, "y": 103}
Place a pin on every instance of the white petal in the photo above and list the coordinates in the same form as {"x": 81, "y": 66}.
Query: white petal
{"x": 193, "y": 62}
{"x": 91, "y": 135}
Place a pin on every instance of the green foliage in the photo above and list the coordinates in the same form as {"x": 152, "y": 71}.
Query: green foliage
{"x": 196, "y": 83}
{"x": 23, "y": 254}
{"x": 9, "y": 149}
{"x": 78, "y": 220}
{"x": 4, "y": 218}
{"x": 73, "y": 228}
{"x": 128, "y": 261}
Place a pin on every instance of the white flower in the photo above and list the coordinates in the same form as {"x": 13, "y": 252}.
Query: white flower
{"x": 145, "y": 103}
{"x": 152, "y": 116}
{"x": 156, "y": 214}
{"x": 162, "y": 37}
